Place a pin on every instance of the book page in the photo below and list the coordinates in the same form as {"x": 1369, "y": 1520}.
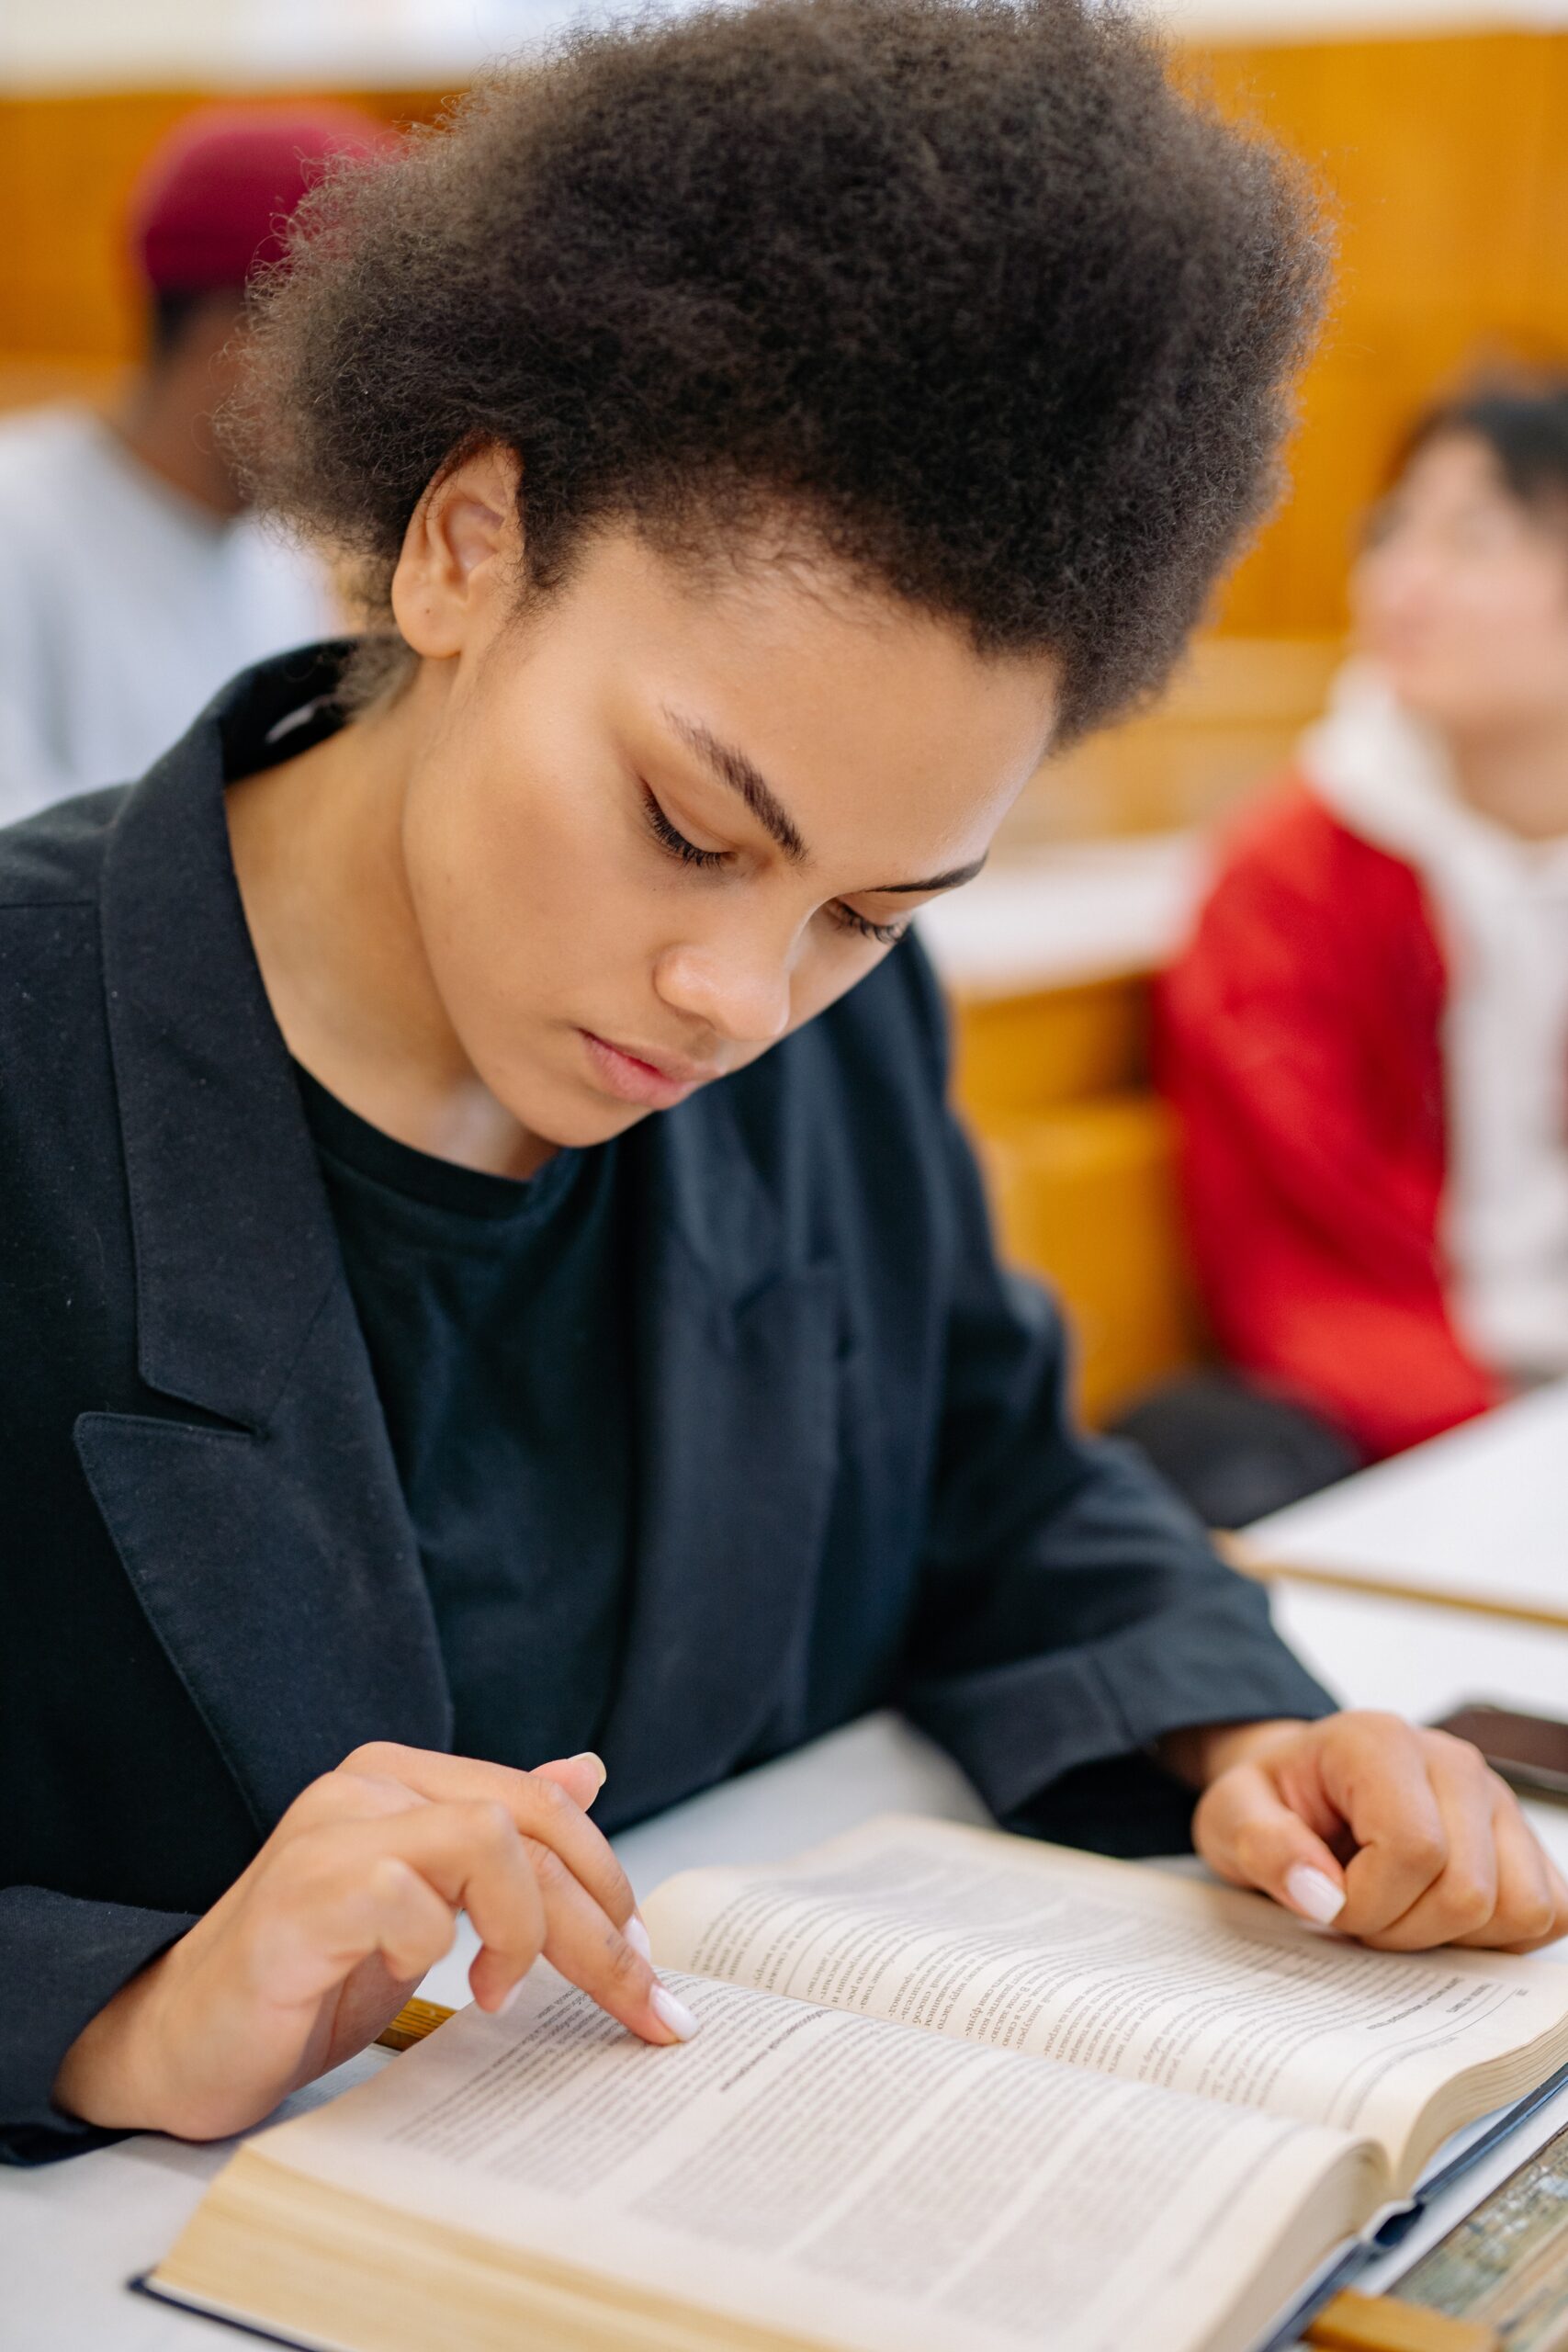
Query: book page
{"x": 841, "y": 2180}
{"x": 1126, "y": 1971}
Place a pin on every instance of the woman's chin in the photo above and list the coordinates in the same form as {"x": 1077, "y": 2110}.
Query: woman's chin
{"x": 567, "y": 1117}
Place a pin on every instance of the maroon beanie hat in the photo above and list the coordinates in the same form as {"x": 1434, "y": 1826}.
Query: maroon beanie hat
{"x": 210, "y": 204}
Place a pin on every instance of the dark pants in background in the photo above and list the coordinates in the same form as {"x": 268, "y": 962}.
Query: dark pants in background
{"x": 1233, "y": 1450}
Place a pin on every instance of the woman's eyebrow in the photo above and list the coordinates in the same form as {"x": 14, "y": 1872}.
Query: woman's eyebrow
{"x": 960, "y": 874}
{"x": 742, "y": 776}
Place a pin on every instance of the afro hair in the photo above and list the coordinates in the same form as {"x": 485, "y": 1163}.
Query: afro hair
{"x": 968, "y": 289}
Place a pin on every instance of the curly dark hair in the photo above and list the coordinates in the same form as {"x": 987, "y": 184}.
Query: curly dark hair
{"x": 964, "y": 286}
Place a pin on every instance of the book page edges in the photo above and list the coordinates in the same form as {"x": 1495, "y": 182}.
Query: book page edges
{"x": 361, "y": 2277}
{"x": 364, "y": 2276}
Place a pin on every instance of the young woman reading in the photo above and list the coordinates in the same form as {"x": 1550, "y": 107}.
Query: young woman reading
{"x": 489, "y": 1273}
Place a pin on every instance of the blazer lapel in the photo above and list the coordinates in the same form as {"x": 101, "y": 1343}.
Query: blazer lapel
{"x": 737, "y": 1435}
{"x": 279, "y": 1571}
{"x": 268, "y": 1537}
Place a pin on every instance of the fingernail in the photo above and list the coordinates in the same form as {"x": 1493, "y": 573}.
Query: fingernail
{"x": 672, "y": 2013}
{"x": 1313, "y": 1895}
{"x": 588, "y": 1757}
{"x": 505, "y": 2008}
{"x": 637, "y": 1935}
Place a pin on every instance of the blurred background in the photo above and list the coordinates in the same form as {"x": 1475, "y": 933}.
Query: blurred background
{"x": 1439, "y": 136}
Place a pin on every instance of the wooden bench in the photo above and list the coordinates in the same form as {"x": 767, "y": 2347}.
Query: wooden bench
{"x": 1078, "y": 1157}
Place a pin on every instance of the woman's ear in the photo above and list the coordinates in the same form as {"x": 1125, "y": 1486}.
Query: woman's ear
{"x": 462, "y": 551}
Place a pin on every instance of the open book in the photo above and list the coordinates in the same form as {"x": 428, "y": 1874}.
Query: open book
{"x": 953, "y": 2092}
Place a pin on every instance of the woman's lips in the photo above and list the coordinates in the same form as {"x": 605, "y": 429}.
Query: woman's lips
{"x": 632, "y": 1078}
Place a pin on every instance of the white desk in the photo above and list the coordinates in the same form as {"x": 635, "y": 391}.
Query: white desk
{"x": 71, "y": 2235}
{"x": 1481, "y": 1512}
{"x": 1077, "y": 911}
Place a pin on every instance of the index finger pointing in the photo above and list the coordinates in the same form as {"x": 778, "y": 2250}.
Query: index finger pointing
{"x": 541, "y": 1808}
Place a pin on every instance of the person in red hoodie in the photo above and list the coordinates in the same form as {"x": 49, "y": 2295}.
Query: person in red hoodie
{"x": 1366, "y": 1039}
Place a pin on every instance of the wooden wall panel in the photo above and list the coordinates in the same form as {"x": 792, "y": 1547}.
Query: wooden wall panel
{"x": 67, "y": 166}
{"x": 1445, "y": 161}
{"x": 1231, "y": 718}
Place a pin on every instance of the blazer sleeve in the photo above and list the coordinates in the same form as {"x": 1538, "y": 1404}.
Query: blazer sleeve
{"x": 1071, "y": 1610}
{"x": 72, "y": 1956}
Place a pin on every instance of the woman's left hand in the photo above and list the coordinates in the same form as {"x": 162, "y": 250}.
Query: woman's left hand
{"x": 1399, "y": 1837}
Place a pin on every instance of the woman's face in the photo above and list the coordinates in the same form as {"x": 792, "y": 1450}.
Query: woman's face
{"x": 1461, "y": 595}
{"x": 665, "y": 819}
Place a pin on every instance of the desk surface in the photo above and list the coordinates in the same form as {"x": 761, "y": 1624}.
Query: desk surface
{"x": 71, "y": 2235}
{"x": 1483, "y": 1511}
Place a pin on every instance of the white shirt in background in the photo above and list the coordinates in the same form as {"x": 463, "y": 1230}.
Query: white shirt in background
{"x": 123, "y": 608}
{"x": 1501, "y": 905}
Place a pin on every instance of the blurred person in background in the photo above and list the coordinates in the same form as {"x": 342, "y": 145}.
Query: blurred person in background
{"x": 1367, "y": 1039}
{"x": 134, "y": 581}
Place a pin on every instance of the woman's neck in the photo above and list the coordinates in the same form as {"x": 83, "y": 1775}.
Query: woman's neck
{"x": 1517, "y": 777}
{"x": 317, "y": 843}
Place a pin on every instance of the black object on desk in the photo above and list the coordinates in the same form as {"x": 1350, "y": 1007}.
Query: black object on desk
{"x": 1529, "y": 1751}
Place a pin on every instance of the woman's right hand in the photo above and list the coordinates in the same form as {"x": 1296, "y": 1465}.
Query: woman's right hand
{"x": 354, "y": 1896}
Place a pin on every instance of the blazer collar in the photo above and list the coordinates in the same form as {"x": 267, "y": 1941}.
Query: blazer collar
{"x": 234, "y": 1246}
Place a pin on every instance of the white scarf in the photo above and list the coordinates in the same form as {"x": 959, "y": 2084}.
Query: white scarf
{"x": 1501, "y": 905}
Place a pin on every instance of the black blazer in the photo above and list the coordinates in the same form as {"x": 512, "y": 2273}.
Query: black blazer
{"x": 855, "y": 1483}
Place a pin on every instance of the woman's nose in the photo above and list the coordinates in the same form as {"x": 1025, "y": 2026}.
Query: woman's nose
{"x": 743, "y": 998}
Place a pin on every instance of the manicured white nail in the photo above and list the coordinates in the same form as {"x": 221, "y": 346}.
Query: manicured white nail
{"x": 596, "y": 1764}
{"x": 672, "y": 2013}
{"x": 1314, "y": 1895}
{"x": 510, "y": 2003}
{"x": 637, "y": 1935}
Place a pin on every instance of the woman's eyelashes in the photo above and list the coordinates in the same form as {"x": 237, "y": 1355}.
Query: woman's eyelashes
{"x": 675, "y": 845}
{"x": 668, "y": 838}
{"x": 886, "y": 934}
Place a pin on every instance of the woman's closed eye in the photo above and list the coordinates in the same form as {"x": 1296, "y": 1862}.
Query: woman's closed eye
{"x": 671, "y": 840}
{"x": 886, "y": 934}
{"x": 675, "y": 845}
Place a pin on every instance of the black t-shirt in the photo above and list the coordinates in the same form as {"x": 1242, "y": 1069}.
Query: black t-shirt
{"x": 492, "y": 1313}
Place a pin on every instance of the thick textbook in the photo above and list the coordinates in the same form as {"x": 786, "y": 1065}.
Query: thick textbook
{"x": 953, "y": 2092}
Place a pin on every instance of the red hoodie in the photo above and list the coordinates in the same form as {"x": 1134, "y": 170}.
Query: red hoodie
{"x": 1298, "y": 1037}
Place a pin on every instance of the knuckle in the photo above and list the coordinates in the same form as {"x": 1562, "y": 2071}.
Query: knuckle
{"x": 345, "y": 1795}
{"x": 319, "y": 1800}
{"x": 1377, "y": 1723}
{"x": 391, "y": 1879}
{"x": 374, "y": 1757}
{"x": 1467, "y": 1899}
{"x": 1465, "y": 1757}
{"x": 1425, "y": 1851}
{"x": 1532, "y": 1917}
{"x": 550, "y": 1798}
{"x": 491, "y": 1824}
